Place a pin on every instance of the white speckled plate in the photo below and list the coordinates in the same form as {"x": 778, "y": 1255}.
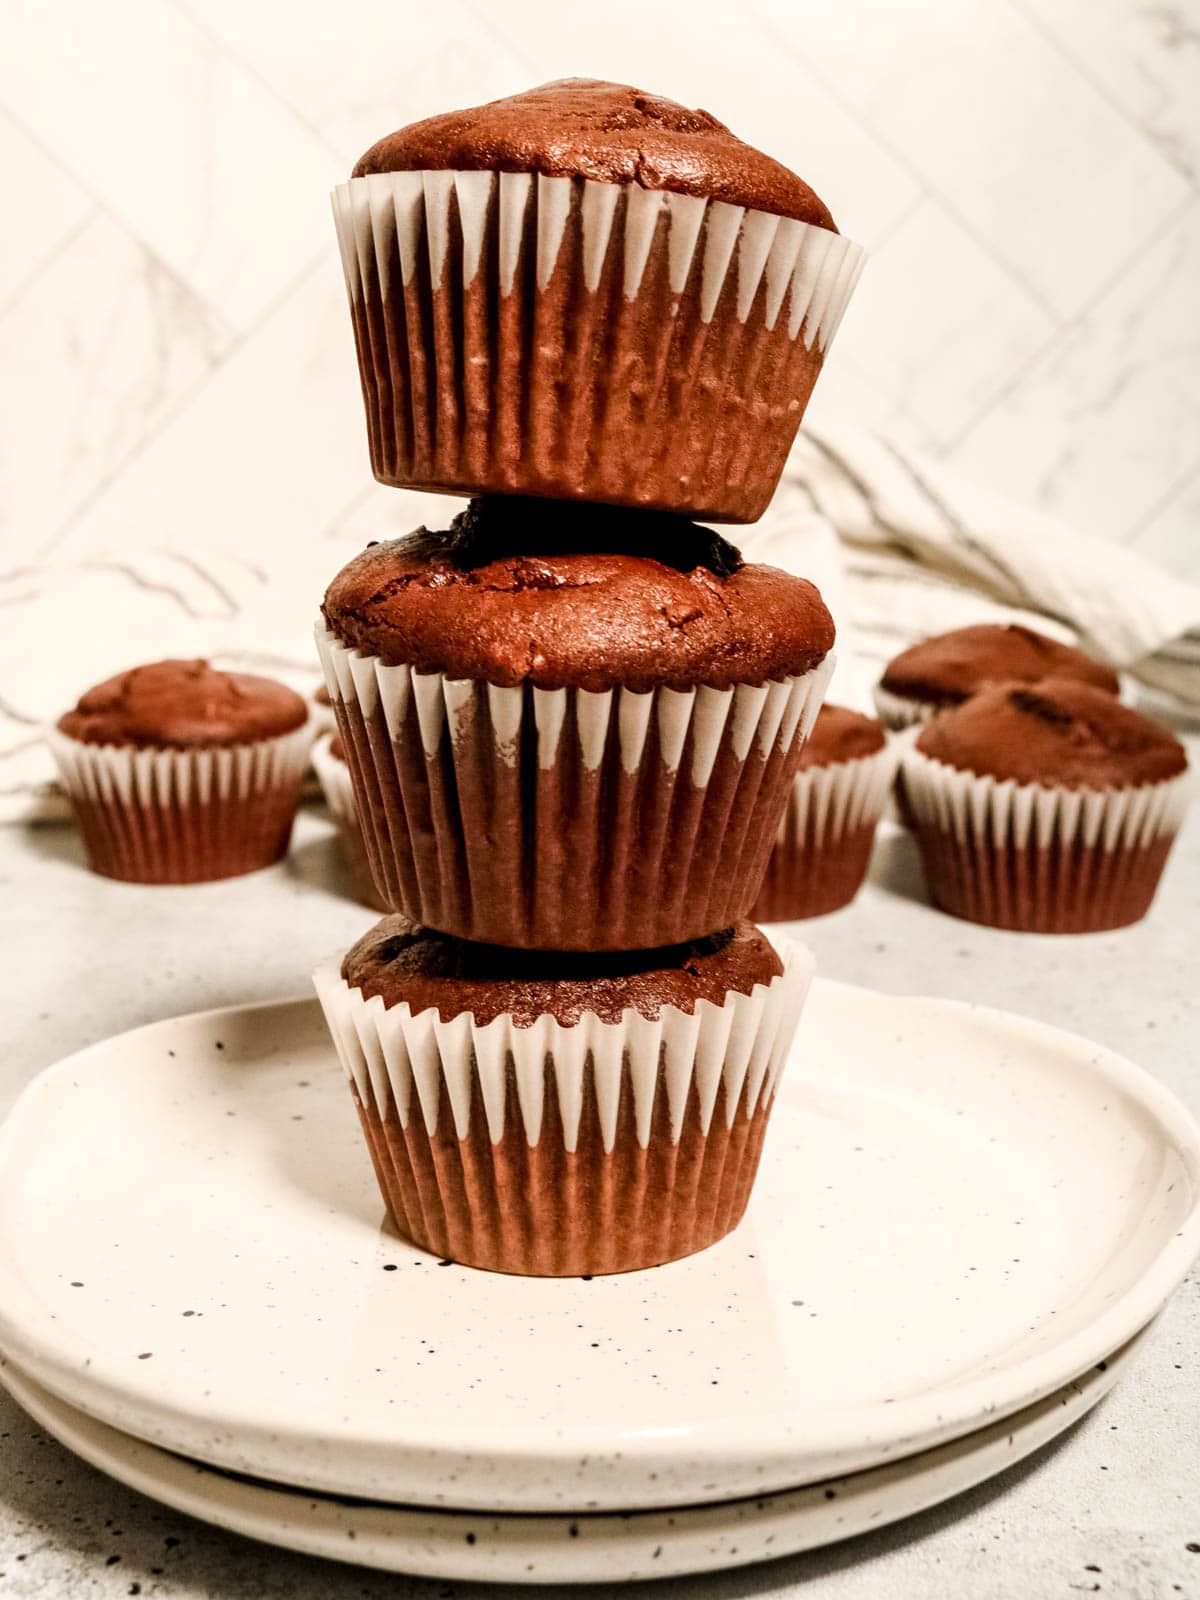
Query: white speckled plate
{"x": 958, "y": 1212}
{"x": 611, "y": 1547}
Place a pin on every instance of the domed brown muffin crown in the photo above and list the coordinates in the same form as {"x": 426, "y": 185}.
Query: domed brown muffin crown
{"x": 1058, "y": 733}
{"x": 840, "y": 734}
{"x": 582, "y": 127}
{"x": 946, "y": 669}
{"x": 401, "y": 962}
{"x": 590, "y": 619}
{"x": 183, "y": 705}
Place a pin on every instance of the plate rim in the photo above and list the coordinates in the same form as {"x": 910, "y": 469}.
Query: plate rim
{"x": 704, "y": 1520}
{"x": 893, "y": 1428}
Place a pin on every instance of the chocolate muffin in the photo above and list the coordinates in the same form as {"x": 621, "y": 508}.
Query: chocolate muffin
{"x": 587, "y": 292}
{"x": 575, "y": 747}
{"x": 333, "y": 775}
{"x": 948, "y": 669}
{"x": 1049, "y": 809}
{"x": 179, "y": 773}
{"x": 823, "y": 848}
{"x": 320, "y": 708}
{"x": 560, "y": 1114}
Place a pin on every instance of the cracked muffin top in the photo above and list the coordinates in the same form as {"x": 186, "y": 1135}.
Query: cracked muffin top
{"x": 840, "y": 734}
{"x": 948, "y": 668}
{"x": 406, "y": 964}
{"x": 1059, "y": 733}
{"x": 583, "y": 127}
{"x": 183, "y": 705}
{"x": 577, "y": 596}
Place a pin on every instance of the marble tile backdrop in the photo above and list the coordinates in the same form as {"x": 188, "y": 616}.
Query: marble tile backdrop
{"x": 176, "y": 363}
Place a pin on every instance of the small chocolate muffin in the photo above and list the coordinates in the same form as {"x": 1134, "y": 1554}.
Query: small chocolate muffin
{"x": 183, "y": 705}
{"x": 573, "y": 749}
{"x": 577, "y": 597}
{"x": 179, "y": 773}
{"x": 840, "y": 735}
{"x": 824, "y": 843}
{"x": 608, "y": 132}
{"x": 321, "y": 710}
{"x": 408, "y": 965}
{"x": 948, "y": 669}
{"x": 587, "y": 292}
{"x": 1061, "y": 733}
{"x": 1049, "y": 808}
{"x": 551, "y": 1114}
{"x": 333, "y": 775}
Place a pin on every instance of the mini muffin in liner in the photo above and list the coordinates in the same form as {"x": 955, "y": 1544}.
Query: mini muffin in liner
{"x": 1038, "y": 859}
{"x": 824, "y": 843}
{"x": 557, "y": 1150}
{"x": 587, "y": 340}
{"x": 900, "y": 711}
{"x": 563, "y": 819}
{"x": 320, "y": 713}
{"x": 336, "y": 785}
{"x": 183, "y": 816}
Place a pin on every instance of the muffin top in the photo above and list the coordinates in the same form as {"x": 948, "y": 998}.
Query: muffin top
{"x": 841, "y": 735}
{"x": 582, "y": 127}
{"x": 400, "y": 961}
{"x": 946, "y": 669}
{"x": 1059, "y": 733}
{"x": 597, "y": 596}
{"x": 183, "y": 705}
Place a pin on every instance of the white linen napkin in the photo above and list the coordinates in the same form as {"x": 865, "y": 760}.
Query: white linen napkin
{"x": 900, "y": 547}
{"x": 904, "y": 548}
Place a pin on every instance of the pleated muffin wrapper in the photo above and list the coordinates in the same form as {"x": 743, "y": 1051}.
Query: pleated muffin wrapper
{"x": 556, "y": 1150}
{"x": 584, "y": 340}
{"x": 899, "y": 711}
{"x": 183, "y": 816}
{"x": 338, "y": 788}
{"x": 823, "y": 848}
{"x": 563, "y": 819}
{"x": 1035, "y": 858}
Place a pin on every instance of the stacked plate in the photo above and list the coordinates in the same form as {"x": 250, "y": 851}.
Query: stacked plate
{"x": 963, "y": 1224}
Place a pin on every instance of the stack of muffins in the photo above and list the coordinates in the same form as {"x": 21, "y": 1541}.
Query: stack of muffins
{"x": 572, "y": 720}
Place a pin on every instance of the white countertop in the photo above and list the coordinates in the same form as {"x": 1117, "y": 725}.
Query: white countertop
{"x": 1111, "y": 1508}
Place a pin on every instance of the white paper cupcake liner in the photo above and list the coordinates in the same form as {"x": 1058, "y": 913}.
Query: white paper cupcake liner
{"x": 333, "y": 775}
{"x": 334, "y": 778}
{"x": 823, "y": 847}
{"x": 1035, "y": 857}
{"x": 826, "y": 802}
{"x": 178, "y": 816}
{"x": 562, "y": 818}
{"x": 606, "y": 341}
{"x": 553, "y": 1149}
{"x": 420, "y": 1066}
{"x": 897, "y": 711}
{"x": 321, "y": 717}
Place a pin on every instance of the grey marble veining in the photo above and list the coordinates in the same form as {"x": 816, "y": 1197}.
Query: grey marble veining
{"x": 1023, "y": 174}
